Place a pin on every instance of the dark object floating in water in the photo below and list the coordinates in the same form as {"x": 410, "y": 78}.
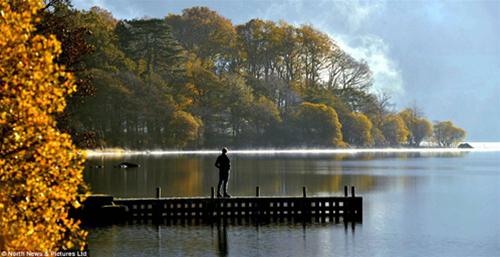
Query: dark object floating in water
{"x": 465, "y": 145}
{"x": 125, "y": 165}
{"x": 99, "y": 166}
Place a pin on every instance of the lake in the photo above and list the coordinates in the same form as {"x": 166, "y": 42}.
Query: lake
{"x": 419, "y": 203}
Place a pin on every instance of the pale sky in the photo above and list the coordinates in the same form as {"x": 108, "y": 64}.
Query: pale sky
{"x": 442, "y": 55}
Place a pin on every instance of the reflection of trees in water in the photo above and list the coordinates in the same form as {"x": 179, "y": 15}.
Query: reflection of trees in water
{"x": 186, "y": 178}
{"x": 282, "y": 177}
{"x": 362, "y": 156}
{"x": 179, "y": 176}
{"x": 321, "y": 176}
{"x": 193, "y": 175}
{"x": 393, "y": 155}
{"x": 422, "y": 154}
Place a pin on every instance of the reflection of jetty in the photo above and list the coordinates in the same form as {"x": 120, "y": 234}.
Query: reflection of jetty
{"x": 106, "y": 209}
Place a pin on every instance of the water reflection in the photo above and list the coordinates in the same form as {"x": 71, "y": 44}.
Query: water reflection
{"x": 158, "y": 229}
{"x": 222, "y": 239}
{"x": 414, "y": 205}
{"x": 193, "y": 175}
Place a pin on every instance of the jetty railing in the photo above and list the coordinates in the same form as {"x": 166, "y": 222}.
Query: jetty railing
{"x": 105, "y": 209}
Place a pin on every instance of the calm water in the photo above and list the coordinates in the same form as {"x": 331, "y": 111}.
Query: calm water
{"x": 415, "y": 204}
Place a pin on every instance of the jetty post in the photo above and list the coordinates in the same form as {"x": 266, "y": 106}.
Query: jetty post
{"x": 107, "y": 209}
{"x": 158, "y": 192}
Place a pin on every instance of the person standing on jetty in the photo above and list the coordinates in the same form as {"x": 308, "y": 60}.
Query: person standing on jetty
{"x": 224, "y": 165}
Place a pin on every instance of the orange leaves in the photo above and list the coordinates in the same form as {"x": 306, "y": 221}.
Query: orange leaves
{"x": 40, "y": 169}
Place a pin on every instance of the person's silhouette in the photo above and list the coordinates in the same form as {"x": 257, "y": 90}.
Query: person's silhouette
{"x": 224, "y": 165}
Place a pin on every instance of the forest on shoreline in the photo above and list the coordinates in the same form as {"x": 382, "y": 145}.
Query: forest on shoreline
{"x": 195, "y": 80}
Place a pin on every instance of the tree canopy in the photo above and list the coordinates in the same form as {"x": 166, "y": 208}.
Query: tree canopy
{"x": 447, "y": 134}
{"x": 189, "y": 80}
{"x": 394, "y": 130}
{"x": 419, "y": 128}
{"x": 317, "y": 124}
{"x": 239, "y": 85}
{"x": 40, "y": 169}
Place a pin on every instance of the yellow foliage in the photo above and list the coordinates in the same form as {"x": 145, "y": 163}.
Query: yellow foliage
{"x": 395, "y": 130}
{"x": 185, "y": 128}
{"x": 319, "y": 124}
{"x": 446, "y": 133}
{"x": 359, "y": 129}
{"x": 40, "y": 169}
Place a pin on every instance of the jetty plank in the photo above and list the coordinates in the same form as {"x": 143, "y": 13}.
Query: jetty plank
{"x": 349, "y": 208}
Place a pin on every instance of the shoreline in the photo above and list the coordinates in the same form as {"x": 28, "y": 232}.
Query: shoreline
{"x": 268, "y": 151}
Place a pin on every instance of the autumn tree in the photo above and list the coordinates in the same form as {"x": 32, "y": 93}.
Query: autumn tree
{"x": 40, "y": 170}
{"x": 419, "y": 127}
{"x": 184, "y": 129}
{"x": 314, "y": 49}
{"x": 446, "y": 133}
{"x": 207, "y": 34}
{"x": 206, "y": 94}
{"x": 317, "y": 125}
{"x": 195, "y": 79}
{"x": 345, "y": 73}
{"x": 238, "y": 99}
{"x": 358, "y": 130}
{"x": 60, "y": 19}
{"x": 138, "y": 71}
{"x": 260, "y": 43}
{"x": 264, "y": 119}
{"x": 422, "y": 130}
{"x": 394, "y": 130}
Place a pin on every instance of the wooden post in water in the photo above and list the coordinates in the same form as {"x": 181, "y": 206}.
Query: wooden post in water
{"x": 257, "y": 203}
{"x": 210, "y": 209}
{"x": 347, "y": 208}
{"x": 158, "y": 192}
{"x": 353, "y": 191}
{"x": 305, "y": 206}
{"x": 359, "y": 207}
{"x": 157, "y": 206}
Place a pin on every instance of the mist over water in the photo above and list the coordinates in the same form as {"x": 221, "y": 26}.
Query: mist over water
{"x": 478, "y": 147}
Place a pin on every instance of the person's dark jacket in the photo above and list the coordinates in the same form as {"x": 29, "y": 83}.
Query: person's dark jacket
{"x": 223, "y": 162}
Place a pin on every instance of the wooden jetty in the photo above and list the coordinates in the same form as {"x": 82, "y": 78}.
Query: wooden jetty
{"x": 99, "y": 209}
